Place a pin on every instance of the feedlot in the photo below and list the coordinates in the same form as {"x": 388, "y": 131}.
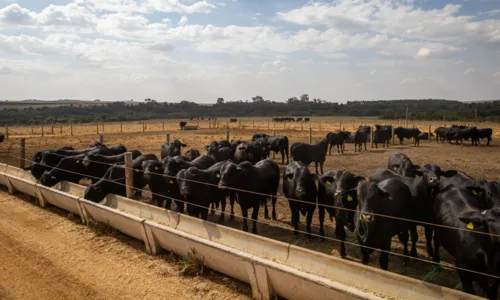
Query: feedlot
{"x": 481, "y": 162}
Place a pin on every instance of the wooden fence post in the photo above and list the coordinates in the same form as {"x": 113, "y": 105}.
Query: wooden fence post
{"x": 371, "y": 136}
{"x": 102, "y": 127}
{"x": 227, "y": 135}
{"x": 31, "y": 129}
{"x": 61, "y": 130}
{"x": 268, "y": 125}
{"x": 310, "y": 135}
{"x": 167, "y": 137}
{"x": 6, "y": 131}
{"x": 129, "y": 175}
{"x": 52, "y": 128}
{"x": 340, "y": 128}
{"x": 121, "y": 127}
{"x": 163, "y": 125}
{"x": 101, "y": 139}
{"x": 42, "y": 131}
{"x": 22, "y": 154}
{"x": 143, "y": 126}
{"x": 97, "y": 126}
{"x": 71, "y": 128}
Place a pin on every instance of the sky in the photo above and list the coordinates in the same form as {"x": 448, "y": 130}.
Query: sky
{"x": 200, "y": 50}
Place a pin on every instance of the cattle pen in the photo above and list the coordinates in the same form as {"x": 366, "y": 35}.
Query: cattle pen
{"x": 149, "y": 135}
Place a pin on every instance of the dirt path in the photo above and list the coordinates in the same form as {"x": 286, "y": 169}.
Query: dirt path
{"x": 45, "y": 255}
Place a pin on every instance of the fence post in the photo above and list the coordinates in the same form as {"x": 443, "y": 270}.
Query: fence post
{"x": 392, "y": 134}
{"x": 61, "y": 130}
{"x": 143, "y": 126}
{"x": 253, "y": 124}
{"x": 319, "y": 126}
{"x": 430, "y": 133}
{"x": 102, "y": 127}
{"x": 129, "y": 175}
{"x": 121, "y": 127}
{"x": 340, "y": 128}
{"x": 268, "y": 125}
{"x": 167, "y": 137}
{"x": 71, "y": 128}
{"x": 101, "y": 139}
{"x": 6, "y": 131}
{"x": 97, "y": 126}
{"x": 310, "y": 135}
{"x": 31, "y": 129}
{"x": 163, "y": 125}
{"x": 22, "y": 154}
{"x": 371, "y": 136}
{"x": 42, "y": 131}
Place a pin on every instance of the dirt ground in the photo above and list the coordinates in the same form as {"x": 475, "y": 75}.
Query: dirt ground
{"x": 45, "y": 255}
{"x": 481, "y": 162}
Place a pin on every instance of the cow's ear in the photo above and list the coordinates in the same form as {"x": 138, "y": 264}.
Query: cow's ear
{"x": 473, "y": 218}
{"x": 419, "y": 174}
{"x": 477, "y": 191}
{"x": 449, "y": 173}
{"x": 327, "y": 180}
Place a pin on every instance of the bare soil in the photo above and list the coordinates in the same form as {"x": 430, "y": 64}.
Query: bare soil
{"x": 480, "y": 162}
{"x": 45, "y": 255}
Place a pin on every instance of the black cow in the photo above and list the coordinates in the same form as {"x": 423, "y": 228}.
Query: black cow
{"x": 69, "y": 168}
{"x": 424, "y": 136}
{"x": 388, "y": 198}
{"x": 485, "y": 133}
{"x": 361, "y": 136}
{"x": 192, "y": 154}
{"x": 172, "y": 166}
{"x": 307, "y": 119}
{"x": 256, "y": 150}
{"x": 2, "y": 137}
{"x": 199, "y": 188}
{"x": 440, "y": 133}
{"x": 338, "y": 189}
{"x": 171, "y": 149}
{"x": 308, "y": 153}
{"x": 382, "y": 134}
{"x": 235, "y": 143}
{"x": 299, "y": 184}
{"x": 98, "y": 164}
{"x": 337, "y": 139}
{"x": 262, "y": 178}
{"x": 233, "y": 120}
{"x": 423, "y": 190}
{"x": 213, "y": 146}
{"x": 470, "y": 235}
{"x": 116, "y": 149}
{"x": 182, "y": 124}
{"x": 113, "y": 182}
{"x": 407, "y": 133}
{"x": 222, "y": 154}
{"x": 52, "y": 158}
{"x": 459, "y": 134}
{"x": 275, "y": 144}
{"x": 157, "y": 182}
{"x": 403, "y": 165}
{"x": 35, "y": 168}
{"x": 241, "y": 154}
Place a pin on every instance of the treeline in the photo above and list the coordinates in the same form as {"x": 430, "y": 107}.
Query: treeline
{"x": 428, "y": 109}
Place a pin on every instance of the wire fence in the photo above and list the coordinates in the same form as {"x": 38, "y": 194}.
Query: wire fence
{"x": 447, "y": 266}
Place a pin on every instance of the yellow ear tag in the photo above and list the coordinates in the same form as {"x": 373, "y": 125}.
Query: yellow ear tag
{"x": 171, "y": 181}
{"x": 77, "y": 161}
{"x": 156, "y": 168}
{"x": 217, "y": 175}
{"x": 328, "y": 182}
{"x": 137, "y": 171}
{"x": 349, "y": 198}
{"x": 474, "y": 192}
{"x": 417, "y": 176}
{"x": 289, "y": 179}
{"x": 470, "y": 225}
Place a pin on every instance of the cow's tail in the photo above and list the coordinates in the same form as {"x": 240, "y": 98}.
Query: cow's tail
{"x": 287, "y": 150}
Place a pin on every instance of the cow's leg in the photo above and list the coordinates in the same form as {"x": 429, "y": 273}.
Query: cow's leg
{"x": 488, "y": 143}
{"x": 168, "y": 204}
{"x": 403, "y": 237}
{"x": 437, "y": 243}
{"x": 428, "y": 239}
{"x": 384, "y": 255}
{"x": 365, "y": 146}
{"x": 309, "y": 217}
{"x": 232, "y": 197}
{"x": 282, "y": 152}
{"x": 414, "y": 239}
{"x": 255, "y": 214}
{"x": 316, "y": 165}
{"x": 266, "y": 211}
{"x": 321, "y": 209}
{"x": 466, "y": 279}
{"x": 223, "y": 209}
{"x": 340, "y": 234}
{"x": 330, "y": 149}
{"x": 244, "y": 213}
{"x": 273, "y": 201}
{"x": 365, "y": 254}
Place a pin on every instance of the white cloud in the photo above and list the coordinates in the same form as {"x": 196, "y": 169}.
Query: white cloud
{"x": 17, "y": 16}
{"x": 470, "y": 71}
{"x": 183, "y": 21}
{"x": 496, "y": 74}
{"x": 5, "y": 70}
{"x": 336, "y": 55}
{"x": 412, "y": 80}
{"x": 306, "y": 61}
{"x": 149, "y": 6}
{"x": 423, "y": 52}
{"x": 373, "y": 72}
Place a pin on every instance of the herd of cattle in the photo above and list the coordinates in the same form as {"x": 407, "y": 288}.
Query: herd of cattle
{"x": 458, "y": 212}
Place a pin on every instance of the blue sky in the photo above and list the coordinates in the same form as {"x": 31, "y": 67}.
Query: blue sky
{"x": 199, "y": 50}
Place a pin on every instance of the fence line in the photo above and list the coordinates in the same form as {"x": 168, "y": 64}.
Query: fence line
{"x": 450, "y": 267}
{"x": 267, "y": 195}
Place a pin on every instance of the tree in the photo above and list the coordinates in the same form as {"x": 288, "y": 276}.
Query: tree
{"x": 257, "y": 99}
{"x": 304, "y": 98}
{"x": 292, "y": 100}
{"x": 147, "y": 100}
{"x": 220, "y": 101}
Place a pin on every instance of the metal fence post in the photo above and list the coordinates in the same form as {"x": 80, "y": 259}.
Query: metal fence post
{"x": 22, "y": 154}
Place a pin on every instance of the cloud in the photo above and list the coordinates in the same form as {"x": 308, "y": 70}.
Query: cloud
{"x": 413, "y": 80}
{"x": 5, "y": 70}
{"x": 496, "y": 74}
{"x": 150, "y": 6}
{"x": 163, "y": 47}
{"x": 373, "y": 72}
{"x": 183, "y": 21}
{"x": 470, "y": 71}
{"x": 16, "y": 15}
{"x": 306, "y": 61}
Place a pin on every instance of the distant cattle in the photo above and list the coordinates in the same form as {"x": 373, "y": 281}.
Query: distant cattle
{"x": 192, "y": 154}
{"x": 171, "y": 149}
{"x": 361, "y": 136}
{"x": 262, "y": 179}
{"x": 407, "y": 133}
{"x": 337, "y": 139}
{"x": 283, "y": 120}
{"x": 485, "y": 133}
{"x": 440, "y": 133}
{"x": 275, "y": 144}
{"x": 382, "y": 134}
{"x": 298, "y": 120}
{"x": 458, "y": 134}
{"x": 299, "y": 184}
{"x": 233, "y": 120}
{"x": 308, "y": 153}
{"x": 182, "y": 124}
{"x": 424, "y": 136}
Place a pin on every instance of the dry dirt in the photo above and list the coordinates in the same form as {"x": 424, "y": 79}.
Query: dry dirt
{"x": 45, "y": 255}
{"x": 483, "y": 162}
